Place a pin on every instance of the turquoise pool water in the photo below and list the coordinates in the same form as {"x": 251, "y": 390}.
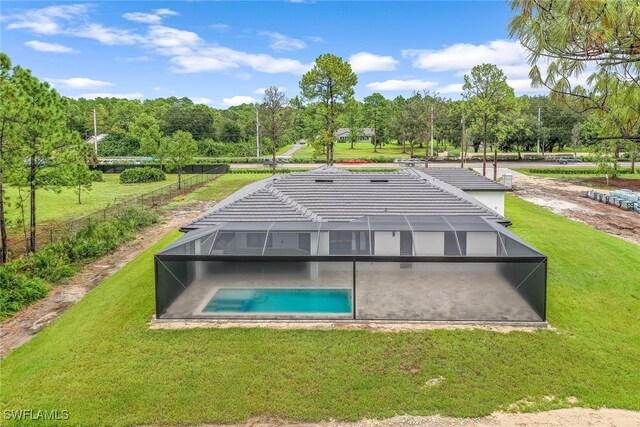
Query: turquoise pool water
{"x": 280, "y": 301}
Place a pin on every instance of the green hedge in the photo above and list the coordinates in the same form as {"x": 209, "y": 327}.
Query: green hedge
{"x": 573, "y": 171}
{"x": 138, "y": 175}
{"x": 28, "y": 279}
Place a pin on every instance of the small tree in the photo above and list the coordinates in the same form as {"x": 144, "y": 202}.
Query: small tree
{"x": 181, "y": 149}
{"x": 331, "y": 82}
{"x": 146, "y": 129}
{"x": 275, "y": 116}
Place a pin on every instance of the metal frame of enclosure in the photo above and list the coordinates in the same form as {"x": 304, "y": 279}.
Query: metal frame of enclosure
{"x": 391, "y": 268}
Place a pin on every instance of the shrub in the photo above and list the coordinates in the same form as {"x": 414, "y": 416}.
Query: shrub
{"x": 17, "y": 290}
{"x": 138, "y": 175}
{"x": 51, "y": 264}
{"x": 96, "y": 176}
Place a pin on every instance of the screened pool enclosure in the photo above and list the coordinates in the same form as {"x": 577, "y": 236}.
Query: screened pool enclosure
{"x": 391, "y": 268}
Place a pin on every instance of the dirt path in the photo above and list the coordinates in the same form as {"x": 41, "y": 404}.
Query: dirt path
{"x": 564, "y": 197}
{"x": 557, "y": 418}
{"x": 20, "y": 328}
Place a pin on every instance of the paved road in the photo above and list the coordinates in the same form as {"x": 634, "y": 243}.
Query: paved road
{"x": 440, "y": 164}
{"x": 287, "y": 154}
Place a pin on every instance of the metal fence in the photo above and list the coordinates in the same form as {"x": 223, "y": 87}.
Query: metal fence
{"x": 188, "y": 169}
{"x": 58, "y": 231}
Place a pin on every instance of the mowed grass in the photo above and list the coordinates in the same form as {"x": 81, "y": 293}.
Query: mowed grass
{"x": 361, "y": 150}
{"x": 101, "y": 362}
{"x": 220, "y": 188}
{"x": 63, "y": 205}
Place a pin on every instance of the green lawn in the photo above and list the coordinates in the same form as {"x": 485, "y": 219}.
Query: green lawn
{"x": 100, "y": 361}
{"x": 361, "y": 150}
{"x": 53, "y": 206}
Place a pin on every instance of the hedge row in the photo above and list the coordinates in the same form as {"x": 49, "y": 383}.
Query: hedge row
{"x": 138, "y": 175}
{"x": 29, "y": 279}
{"x": 574, "y": 171}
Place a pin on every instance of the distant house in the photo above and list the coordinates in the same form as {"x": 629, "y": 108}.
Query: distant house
{"x": 92, "y": 139}
{"x": 344, "y": 135}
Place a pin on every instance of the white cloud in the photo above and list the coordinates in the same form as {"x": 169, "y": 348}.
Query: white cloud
{"x": 316, "y": 39}
{"x": 46, "y": 20}
{"x": 260, "y": 90}
{"x": 171, "y": 41}
{"x": 49, "y": 47}
{"x": 80, "y": 83}
{"x": 142, "y": 58}
{"x": 401, "y": 85}
{"x": 282, "y": 42}
{"x": 144, "y": 18}
{"x": 363, "y": 62}
{"x": 127, "y": 95}
{"x": 238, "y": 100}
{"x": 165, "y": 12}
{"x": 200, "y": 100}
{"x": 220, "y": 27}
{"x": 106, "y": 35}
{"x": 455, "y": 88}
{"x": 218, "y": 58}
{"x": 464, "y": 56}
{"x": 149, "y": 18}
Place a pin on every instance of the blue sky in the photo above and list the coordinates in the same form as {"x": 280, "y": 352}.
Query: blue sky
{"x": 224, "y": 53}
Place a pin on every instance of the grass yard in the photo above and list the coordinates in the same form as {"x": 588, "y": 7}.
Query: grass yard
{"x": 361, "y": 150}
{"x": 52, "y": 206}
{"x": 100, "y": 362}
{"x": 219, "y": 189}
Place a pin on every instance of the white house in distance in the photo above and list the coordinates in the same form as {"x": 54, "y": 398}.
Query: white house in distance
{"x": 329, "y": 244}
{"x": 483, "y": 189}
{"x": 344, "y": 135}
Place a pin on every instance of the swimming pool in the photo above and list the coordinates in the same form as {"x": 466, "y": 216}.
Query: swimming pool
{"x": 280, "y": 301}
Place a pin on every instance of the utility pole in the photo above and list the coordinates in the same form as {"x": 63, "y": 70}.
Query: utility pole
{"x": 462, "y": 146}
{"x": 95, "y": 132}
{"x": 431, "y": 130}
{"x": 538, "y": 145}
{"x": 257, "y": 132}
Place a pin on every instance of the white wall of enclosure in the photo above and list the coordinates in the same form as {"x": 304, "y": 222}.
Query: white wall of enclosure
{"x": 451, "y": 268}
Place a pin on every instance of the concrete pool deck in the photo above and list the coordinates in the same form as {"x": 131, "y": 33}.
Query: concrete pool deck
{"x": 469, "y": 293}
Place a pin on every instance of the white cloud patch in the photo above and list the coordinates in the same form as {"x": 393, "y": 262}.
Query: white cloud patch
{"x": 218, "y": 58}
{"x": 46, "y": 20}
{"x": 363, "y": 62}
{"x": 49, "y": 47}
{"x": 282, "y": 42}
{"x": 464, "y": 56}
{"x": 106, "y": 35}
{"x": 453, "y": 88}
{"x": 142, "y": 58}
{"x": 143, "y": 18}
{"x": 80, "y": 83}
{"x": 149, "y": 18}
{"x": 200, "y": 100}
{"x": 238, "y": 100}
{"x": 165, "y": 12}
{"x": 316, "y": 39}
{"x": 220, "y": 27}
{"x": 187, "y": 52}
{"x": 402, "y": 85}
{"x": 127, "y": 95}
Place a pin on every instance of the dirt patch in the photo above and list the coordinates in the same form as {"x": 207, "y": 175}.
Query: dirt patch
{"x": 556, "y": 418}
{"x": 566, "y": 197}
{"x": 349, "y": 325}
{"x": 615, "y": 183}
{"x": 20, "y": 328}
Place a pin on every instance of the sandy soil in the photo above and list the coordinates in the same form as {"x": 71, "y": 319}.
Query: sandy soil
{"x": 566, "y": 198}
{"x": 556, "y": 418}
{"x": 349, "y": 325}
{"x": 20, "y": 328}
